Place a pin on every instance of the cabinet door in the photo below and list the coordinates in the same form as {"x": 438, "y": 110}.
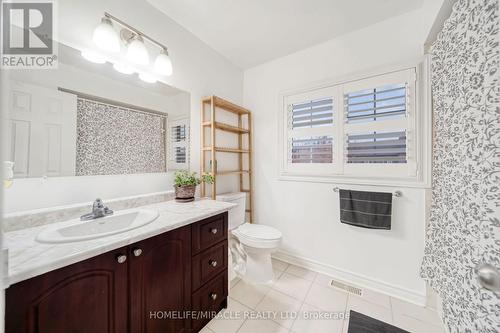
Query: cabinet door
{"x": 89, "y": 296}
{"x": 160, "y": 283}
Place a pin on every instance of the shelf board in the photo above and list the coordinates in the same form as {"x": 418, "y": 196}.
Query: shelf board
{"x": 226, "y": 105}
{"x": 235, "y": 172}
{"x": 226, "y": 127}
{"x": 227, "y": 150}
{"x": 231, "y": 150}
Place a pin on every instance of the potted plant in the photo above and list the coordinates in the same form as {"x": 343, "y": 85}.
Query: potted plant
{"x": 185, "y": 184}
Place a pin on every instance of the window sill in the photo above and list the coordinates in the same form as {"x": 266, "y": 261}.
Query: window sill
{"x": 334, "y": 179}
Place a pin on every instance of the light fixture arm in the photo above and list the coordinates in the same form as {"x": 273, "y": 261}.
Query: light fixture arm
{"x": 134, "y": 30}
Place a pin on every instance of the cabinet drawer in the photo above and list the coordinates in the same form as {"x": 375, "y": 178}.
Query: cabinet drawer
{"x": 208, "y": 264}
{"x": 209, "y": 300}
{"x": 209, "y": 232}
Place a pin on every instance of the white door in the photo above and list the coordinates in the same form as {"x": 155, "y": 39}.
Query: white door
{"x": 42, "y": 131}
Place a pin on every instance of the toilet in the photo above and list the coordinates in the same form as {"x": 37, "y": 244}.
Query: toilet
{"x": 250, "y": 245}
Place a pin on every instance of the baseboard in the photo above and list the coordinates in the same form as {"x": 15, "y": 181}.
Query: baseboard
{"x": 354, "y": 278}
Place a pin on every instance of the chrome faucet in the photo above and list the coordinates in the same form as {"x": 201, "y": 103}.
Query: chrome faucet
{"x": 98, "y": 210}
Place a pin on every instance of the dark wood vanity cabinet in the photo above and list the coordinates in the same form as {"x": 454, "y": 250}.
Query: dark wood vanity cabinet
{"x": 209, "y": 269}
{"x": 90, "y": 296}
{"x": 160, "y": 282}
{"x": 173, "y": 282}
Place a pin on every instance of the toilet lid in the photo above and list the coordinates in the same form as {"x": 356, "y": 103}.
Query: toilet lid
{"x": 259, "y": 231}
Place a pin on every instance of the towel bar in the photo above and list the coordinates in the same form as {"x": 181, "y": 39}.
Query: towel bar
{"x": 396, "y": 194}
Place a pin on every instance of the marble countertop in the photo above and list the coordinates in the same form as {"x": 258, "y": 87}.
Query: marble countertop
{"x": 28, "y": 258}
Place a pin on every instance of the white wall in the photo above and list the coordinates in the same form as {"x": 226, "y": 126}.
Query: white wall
{"x": 198, "y": 69}
{"x": 307, "y": 213}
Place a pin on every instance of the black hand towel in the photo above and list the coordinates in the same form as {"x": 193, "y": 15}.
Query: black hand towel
{"x": 366, "y": 209}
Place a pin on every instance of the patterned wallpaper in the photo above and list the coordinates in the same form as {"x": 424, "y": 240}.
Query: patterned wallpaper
{"x": 464, "y": 227}
{"x": 115, "y": 140}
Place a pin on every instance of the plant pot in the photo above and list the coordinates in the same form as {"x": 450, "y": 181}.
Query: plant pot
{"x": 185, "y": 193}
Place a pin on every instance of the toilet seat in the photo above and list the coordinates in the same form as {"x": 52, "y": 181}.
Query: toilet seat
{"x": 258, "y": 236}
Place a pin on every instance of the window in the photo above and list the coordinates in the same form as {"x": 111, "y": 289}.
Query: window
{"x": 179, "y": 144}
{"x": 178, "y": 136}
{"x": 312, "y": 114}
{"x": 358, "y": 129}
{"x": 310, "y": 120}
{"x": 312, "y": 150}
{"x": 388, "y": 147}
{"x": 387, "y": 102}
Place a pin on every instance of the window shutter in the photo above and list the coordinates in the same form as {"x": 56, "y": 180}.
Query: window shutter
{"x": 389, "y": 147}
{"x": 311, "y": 131}
{"x": 374, "y": 135}
{"x": 386, "y": 102}
{"x": 178, "y": 133}
{"x": 179, "y": 145}
{"x": 312, "y": 150}
{"x": 312, "y": 114}
{"x": 376, "y": 121}
{"x": 180, "y": 154}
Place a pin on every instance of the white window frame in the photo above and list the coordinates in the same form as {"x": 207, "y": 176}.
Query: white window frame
{"x": 311, "y": 168}
{"x": 418, "y": 123}
{"x": 407, "y": 123}
{"x": 172, "y": 165}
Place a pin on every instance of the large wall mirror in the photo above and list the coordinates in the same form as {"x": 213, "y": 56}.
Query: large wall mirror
{"x": 86, "y": 119}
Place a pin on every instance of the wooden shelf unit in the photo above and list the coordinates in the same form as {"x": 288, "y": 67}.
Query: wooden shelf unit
{"x": 218, "y": 104}
{"x": 226, "y": 127}
{"x": 234, "y": 172}
{"x": 226, "y": 150}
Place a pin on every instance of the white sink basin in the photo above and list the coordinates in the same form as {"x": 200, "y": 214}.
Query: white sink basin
{"x": 76, "y": 230}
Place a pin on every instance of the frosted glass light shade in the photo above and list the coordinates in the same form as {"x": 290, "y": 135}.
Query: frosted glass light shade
{"x": 146, "y": 77}
{"x": 163, "y": 64}
{"x": 93, "y": 57}
{"x": 137, "y": 52}
{"x": 105, "y": 36}
{"x": 123, "y": 68}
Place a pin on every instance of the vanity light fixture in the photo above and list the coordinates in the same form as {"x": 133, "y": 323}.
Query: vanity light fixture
{"x": 137, "y": 52}
{"x": 93, "y": 57}
{"x": 105, "y": 36}
{"x": 163, "y": 63}
{"x": 123, "y": 68}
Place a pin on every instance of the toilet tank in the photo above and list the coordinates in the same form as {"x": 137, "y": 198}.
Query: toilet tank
{"x": 236, "y": 214}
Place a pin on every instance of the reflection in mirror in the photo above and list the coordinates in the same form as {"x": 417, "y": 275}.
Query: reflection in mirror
{"x": 86, "y": 119}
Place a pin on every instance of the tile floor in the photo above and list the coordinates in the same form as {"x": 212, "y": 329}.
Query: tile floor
{"x": 306, "y": 293}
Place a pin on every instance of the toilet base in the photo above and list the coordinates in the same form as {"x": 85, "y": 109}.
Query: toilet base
{"x": 259, "y": 268}
{"x": 252, "y": 265}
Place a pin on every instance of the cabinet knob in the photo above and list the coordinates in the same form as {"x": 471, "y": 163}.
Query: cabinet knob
{"x": 214, "y": 230}
{"x": 121, "y": 258}
{"x": 213, "y": 263}
{"x": 213, "y": 296}
{"x": 137, "y": 252}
